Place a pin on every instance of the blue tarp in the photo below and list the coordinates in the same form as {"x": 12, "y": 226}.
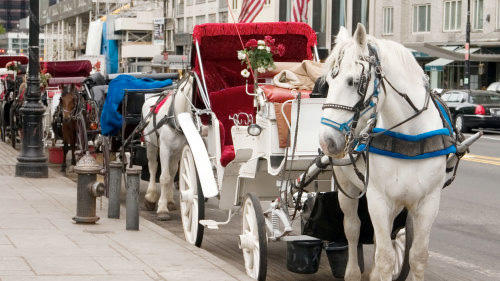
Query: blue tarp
{"x": 111, "y": 119}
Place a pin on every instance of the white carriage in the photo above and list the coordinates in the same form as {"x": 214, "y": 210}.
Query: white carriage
{"x": 248, "y": 146}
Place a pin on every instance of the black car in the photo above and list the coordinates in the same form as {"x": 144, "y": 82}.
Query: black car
{"x": 474, "y": 109}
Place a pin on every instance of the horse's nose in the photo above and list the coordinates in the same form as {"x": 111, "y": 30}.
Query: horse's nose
{"x": 330, "y": 146}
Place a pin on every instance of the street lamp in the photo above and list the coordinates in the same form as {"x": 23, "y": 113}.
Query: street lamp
{"x": 467, "y": 49}
{"x": 32, "y": 162}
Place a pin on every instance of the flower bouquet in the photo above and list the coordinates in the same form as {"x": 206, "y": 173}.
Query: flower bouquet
{"x": 13, "y": 65}
{"x": 258, "y": 55}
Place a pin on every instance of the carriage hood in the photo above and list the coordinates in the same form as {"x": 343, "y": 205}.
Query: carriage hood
{"x": 6, "y": 59}
{"x": 74, "y": 68}
{"x": 219, "y": 43}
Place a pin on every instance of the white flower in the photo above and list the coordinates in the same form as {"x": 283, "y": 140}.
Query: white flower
{"x": 261, "y": 69}
{"x": 261, "y": 42}
{"x": 270, "y": 68}
{"x": 245, "y": 73}
{"x": 268, "y": 49}
{"x": 241, "y": 55}
{"x": 261, "y": 47}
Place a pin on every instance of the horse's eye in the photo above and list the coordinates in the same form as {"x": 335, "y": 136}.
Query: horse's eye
{"x": 350, "y": 82}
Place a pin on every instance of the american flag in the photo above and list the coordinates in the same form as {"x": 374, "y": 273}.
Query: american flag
{"x": 250, "y": 9}
{"x": 299, "y": 10}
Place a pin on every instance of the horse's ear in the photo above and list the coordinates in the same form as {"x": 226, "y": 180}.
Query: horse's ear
{"x": 72, "y": 88}
{"x": 360, "y": 35}
{"x": 343, "y": 35}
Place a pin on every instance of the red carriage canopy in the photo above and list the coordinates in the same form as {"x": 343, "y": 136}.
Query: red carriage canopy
{"x": 65, "y": 81}
{"x": 6, "y": 59}
{"x": 74, "y": 68}
{"x": 219, "y": 43}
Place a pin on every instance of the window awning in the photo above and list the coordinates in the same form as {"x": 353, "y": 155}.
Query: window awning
{"x": 446, "y": 53}
{"x": 438, "y": 64}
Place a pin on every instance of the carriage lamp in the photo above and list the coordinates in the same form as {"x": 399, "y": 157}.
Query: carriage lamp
{"x": 254, "y": 130}
{"x": 93, "y": 126}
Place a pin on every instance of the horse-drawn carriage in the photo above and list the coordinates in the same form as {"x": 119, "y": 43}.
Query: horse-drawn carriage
{"x": 256, "y": 148}
{"x": 12, "y": 71}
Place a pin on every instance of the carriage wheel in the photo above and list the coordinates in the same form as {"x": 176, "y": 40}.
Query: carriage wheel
{"x": 253, "y": 240}
{"x": 13, "y": 126}
{"x": 401, "y": 245}
{"x": 191, "y": 198}
{"x": 2, "y": 124}
{"x": 81, "y": 134}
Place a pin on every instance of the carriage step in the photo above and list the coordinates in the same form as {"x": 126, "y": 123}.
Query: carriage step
{"x": 211, "y": 224}
{"x": 298, "y": 238}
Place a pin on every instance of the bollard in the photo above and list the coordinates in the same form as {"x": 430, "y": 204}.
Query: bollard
{"x": 132, "y": 201}
{"x": 115, "y": 186}
{"x": 88, "y": 188}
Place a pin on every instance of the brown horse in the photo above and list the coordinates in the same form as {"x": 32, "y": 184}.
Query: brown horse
{"x": 64, "y": 124}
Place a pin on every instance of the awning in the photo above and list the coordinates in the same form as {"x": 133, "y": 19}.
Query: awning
{"x": 440, "y": 52}
{"x": 438, "y": 64}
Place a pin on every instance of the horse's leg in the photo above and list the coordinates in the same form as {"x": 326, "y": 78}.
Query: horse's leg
{"x": 173, "y": 167}
{"x": 380, "y": 214}
{"x": 352, "y": 226}
{"x": 65, "y": 151}
{"x": 151, "y": 194}
{"x": 73, "y": 159}
{"x": 165, "y": 178}
{"x": 424, "y": 215}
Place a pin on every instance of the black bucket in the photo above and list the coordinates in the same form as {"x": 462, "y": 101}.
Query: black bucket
{"x": 337, "y": 254}
{"x": 303, "y": 256}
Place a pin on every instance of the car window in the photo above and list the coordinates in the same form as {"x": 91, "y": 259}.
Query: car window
{"x": 480, "y": 99}
{"x": 452, "y": 97}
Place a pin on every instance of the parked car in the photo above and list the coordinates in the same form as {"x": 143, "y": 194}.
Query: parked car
{"x": 494, "y": 87}
{"x": 474, "y": 109}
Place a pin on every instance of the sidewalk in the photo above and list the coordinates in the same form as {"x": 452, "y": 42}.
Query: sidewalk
{"x": 40, "y": 241}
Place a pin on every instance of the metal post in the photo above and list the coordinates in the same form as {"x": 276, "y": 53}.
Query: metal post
{"x": 88, "y": 188}
{"x": 164, "y": 27}
{"x": 467, "y": 49}
{"x": 32, "y": 161}
{"x": 115, "y": 186}
{"x": 132, "y": 201}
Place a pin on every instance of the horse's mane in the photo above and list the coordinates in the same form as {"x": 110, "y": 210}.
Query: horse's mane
{"x": 385, "y": 48}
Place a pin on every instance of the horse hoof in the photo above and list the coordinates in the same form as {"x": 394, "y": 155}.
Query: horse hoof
{"x": 150, "y": 206}
{"x": 164, "y": 217}
{"x": 171, "y": 206}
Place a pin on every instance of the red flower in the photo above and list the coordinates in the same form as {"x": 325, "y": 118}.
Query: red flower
{"x": 269, "y": 40}
{"x": 252, "y": 43}
{"x": 281, "y": 50}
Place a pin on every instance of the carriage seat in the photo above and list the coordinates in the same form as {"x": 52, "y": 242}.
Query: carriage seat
{"x": 225, "y": 103}
{"x": 278, "y": 96}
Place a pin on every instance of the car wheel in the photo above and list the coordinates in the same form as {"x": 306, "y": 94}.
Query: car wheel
{"x": 460, "y": 124}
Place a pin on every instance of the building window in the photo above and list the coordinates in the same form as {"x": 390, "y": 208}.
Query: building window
{"x": 211, "y": 18}
{"x": 422, "y": 18}
{"x": 388, "y": 20}
{"x": 200, "y": 19}
{"x": 452, "y": 15}
{"x": 180, "y": 25}
{"x": 223, "y": 17}
{"x": 268, "y": 2}
{"x": 189, "y": 2}
{"x": 477, "y": 9}
{"x": 234, "y": 4}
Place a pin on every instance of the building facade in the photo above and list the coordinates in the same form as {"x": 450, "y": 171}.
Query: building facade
{"x": 442, "y": 24}
{"x": 11, "y": 11}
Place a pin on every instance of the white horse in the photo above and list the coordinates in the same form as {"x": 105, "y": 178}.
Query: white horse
{"x": 168, "y": 142}
{"x": 394, "y": 183}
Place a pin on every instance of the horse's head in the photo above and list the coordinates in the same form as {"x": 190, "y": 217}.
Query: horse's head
{"x": 68, "y": 102}
{"x": 351, "y": 67}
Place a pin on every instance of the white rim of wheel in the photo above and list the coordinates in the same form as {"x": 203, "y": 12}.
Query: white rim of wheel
{"x": 458, "y": 123}
{"x": 249, "y": 239}
{"x": 399, "y": 245}
{"x": 188, "y": 194}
